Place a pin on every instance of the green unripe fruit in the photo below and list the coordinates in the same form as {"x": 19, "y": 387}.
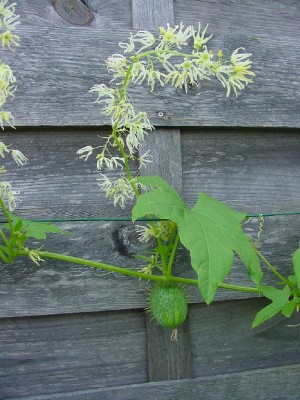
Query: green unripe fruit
{"x": 168, "y": 305}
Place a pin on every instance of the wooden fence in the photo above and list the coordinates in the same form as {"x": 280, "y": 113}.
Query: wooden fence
{"x": 70, "y": 332}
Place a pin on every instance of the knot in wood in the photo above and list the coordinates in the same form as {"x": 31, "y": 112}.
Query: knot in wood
{"x": 73, "y": 11}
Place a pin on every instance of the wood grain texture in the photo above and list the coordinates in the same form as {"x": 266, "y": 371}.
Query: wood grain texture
{"x": 152, "y": 14}
{"x": 108, "y": 349}
{"x": 253, "y": 170}
{"x": 264, "y": 384}
{"x": 54, "y": 82}
{"x": 166, "y": 360}
{"x": 112, "y": 14}
{"x": 59, "y": 354}
{"x": 241, "y": 16}
{"x": 222, "y": 338}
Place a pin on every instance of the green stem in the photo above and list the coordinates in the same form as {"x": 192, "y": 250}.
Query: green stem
{"x": 274, "y": 270}
{"x": 4, "y": 258}
{"x": 6, "y": 214}
{"x": 4, "y": 238}
{"x": 172, "y": 256}
{"x": 129, "y": 272}
{"x": 95, "y": 264}
{"x": 126, "y": 160}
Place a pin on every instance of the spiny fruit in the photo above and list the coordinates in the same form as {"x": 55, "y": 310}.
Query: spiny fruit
{"x": 168, "y": 304}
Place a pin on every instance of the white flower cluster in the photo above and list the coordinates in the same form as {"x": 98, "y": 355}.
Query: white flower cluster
{"x": 120, "y": 189}
{"x": 8, "y": 22}
{"x": 155, "y": 60}
{"x": 163, "y": 229}
{"x": 17, "y": 156}
{"x": 195, "y": 66}
{"x": 7, "y": 194}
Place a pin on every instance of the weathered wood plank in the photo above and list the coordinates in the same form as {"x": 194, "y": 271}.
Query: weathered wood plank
{"x": 246, "y": 15}
{"x": 106, "y": 14}
{"x": 54, "y": 82}
{"x": 222, "y": 338}
{"x": 166, "y": 360}
{"x": 59, "y": 354}
{"x": 255, "y": 171}
{"x": 151, "y": 14}
{"x": 264, "y": 384}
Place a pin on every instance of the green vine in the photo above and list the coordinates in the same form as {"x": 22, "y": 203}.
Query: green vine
{"x": 211, "y": 231}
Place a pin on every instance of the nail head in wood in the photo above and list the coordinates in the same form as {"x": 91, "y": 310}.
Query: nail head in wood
{"x": 73, "y": 11}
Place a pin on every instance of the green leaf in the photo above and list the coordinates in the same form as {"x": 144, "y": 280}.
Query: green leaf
{"x": 211, "y": 231}
{"x": 280, "y": 302}
{"x": 290, "y": 307}
{"x": 296, "y": 264}
{"x": 37, "y": 230}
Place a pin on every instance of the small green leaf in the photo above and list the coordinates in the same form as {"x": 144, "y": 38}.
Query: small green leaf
{"x": 37, "y": 230}
{"x": 211, "y": 231}
{"x": 292, "y": 278}
{"x": 280, "y": 300}
{"x": 296, "y": 264}
{"x": 290, "y": 307}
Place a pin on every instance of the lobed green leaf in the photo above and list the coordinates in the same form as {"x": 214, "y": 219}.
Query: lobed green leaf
{"x": 296, "y": 264}
{"x": 280, "y": 302}
{"x": 211, "y": 231}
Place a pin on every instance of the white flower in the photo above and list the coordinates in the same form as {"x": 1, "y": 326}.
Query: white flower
{"x": 110, "y": 162}
{"x": 236, "y": 75}
{"x": 199, "y": 38}
{"x": 3, "y": 149}
{"x": 176, "y": 36}
{"x": 18, "y": 157}
{"x": 120, "y": 189}
{"x": 137, "y": 127}
{"x": 240, "y": 58}
{"x": 145, "y": 38}
{"x": 117, "y": 65}
{"x": 154, "y": 76}
{"x": 6, "y": 193}
{"x": 128, "y": 47}
{"x": 6, "y": 117}
{"x": 85, "y": 152}
{"x": 145, "y": 159}
{"x": 7, "y": 11}
{"x": 139, "y": 72}
{"x": 145, "y": 233}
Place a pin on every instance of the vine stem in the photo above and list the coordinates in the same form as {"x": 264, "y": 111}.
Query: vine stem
{"x": 129, "y": 272}
{"x": 273, "y": 269}
{"x": 172, "y": 256}
{"x": 126, "y": 161}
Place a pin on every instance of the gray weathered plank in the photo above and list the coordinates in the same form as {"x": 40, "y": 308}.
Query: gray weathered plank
{"x": 113, "y": 14}
{"x": 165, "y": 360}
{"x": 263, "y": 384}
{"x": 255, "y": 171}
{"x": 62, "y": 354}
{"x": 151, "y": 14}
{"x": 58, "y": 354}
{"x": 54, "y": 82}
{"x": 246, "y": 15}
{"x": 222, "y": 338}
